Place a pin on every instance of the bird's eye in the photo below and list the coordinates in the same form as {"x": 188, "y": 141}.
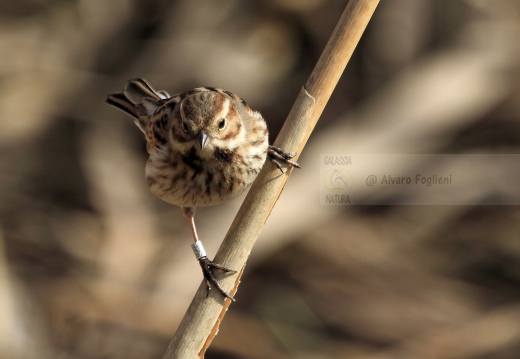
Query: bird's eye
{"x": 184, "y": 127}
{"x": 222, "y": 124}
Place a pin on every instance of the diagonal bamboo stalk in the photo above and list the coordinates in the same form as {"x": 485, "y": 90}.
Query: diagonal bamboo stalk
{"x": 202, "y": 319}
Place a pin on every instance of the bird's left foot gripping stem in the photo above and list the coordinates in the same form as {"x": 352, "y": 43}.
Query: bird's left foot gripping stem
{"x": 276, "y": 154}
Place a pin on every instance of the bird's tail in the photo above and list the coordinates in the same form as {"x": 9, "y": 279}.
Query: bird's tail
{"x": 139, "y": 100}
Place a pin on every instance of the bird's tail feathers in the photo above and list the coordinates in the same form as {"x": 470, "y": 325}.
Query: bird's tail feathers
{"x": 138, "y": 100}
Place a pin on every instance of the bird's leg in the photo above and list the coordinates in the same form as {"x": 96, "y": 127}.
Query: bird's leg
{"x": 276, "y": 154}
{"x": 205, "y": 263}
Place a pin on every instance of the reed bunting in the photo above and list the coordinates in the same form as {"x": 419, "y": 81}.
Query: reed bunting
{"x": 205, "y": 147}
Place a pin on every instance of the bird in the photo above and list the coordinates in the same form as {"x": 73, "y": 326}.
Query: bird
{"x": 205, "y": 146}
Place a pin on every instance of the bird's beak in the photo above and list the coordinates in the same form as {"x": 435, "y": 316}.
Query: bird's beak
{"x": 203, "y": 137}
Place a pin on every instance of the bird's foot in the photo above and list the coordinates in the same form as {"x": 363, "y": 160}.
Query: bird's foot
{"x": 276, "y": 154}
{"x": 207, "y": 266}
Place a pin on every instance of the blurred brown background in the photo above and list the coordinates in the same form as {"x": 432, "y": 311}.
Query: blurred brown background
{"x": 93, "y": 266}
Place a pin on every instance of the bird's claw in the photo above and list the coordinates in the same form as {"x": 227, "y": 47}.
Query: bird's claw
{"x": 276, "y": 153}
{"x": 210, "y": 279}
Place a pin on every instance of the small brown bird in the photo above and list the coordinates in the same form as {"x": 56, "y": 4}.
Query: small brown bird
{"x": 205, "y": 147}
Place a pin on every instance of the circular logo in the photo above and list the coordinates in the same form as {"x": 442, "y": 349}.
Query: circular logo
{"x": 337, "y": 180}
